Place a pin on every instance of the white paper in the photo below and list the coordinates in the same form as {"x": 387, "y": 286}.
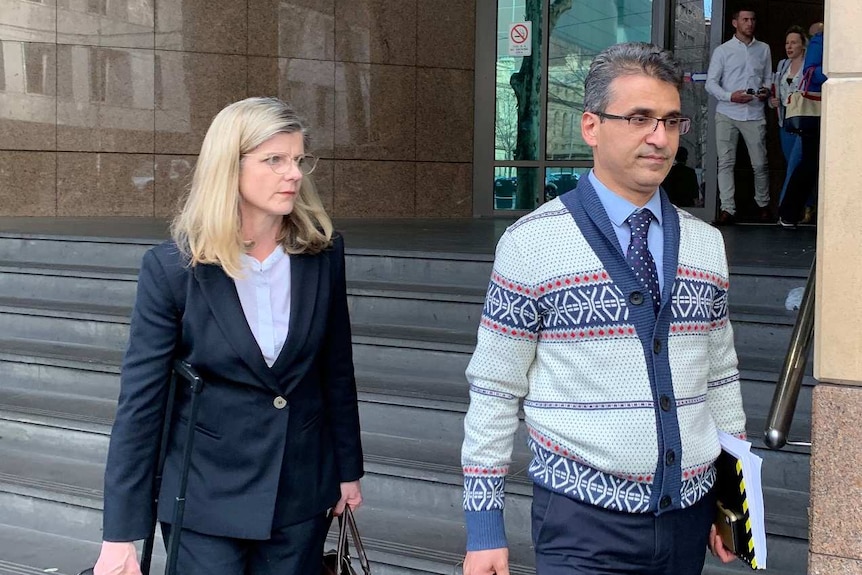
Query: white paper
{"x": 751, "y": 469}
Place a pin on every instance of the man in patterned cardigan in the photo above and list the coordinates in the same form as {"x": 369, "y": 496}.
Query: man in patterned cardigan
{"x": 607, "y": 315}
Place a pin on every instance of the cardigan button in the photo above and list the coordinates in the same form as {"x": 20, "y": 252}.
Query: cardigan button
{"x": 279, "y": 402}
{"x": 665, "y": 502}
{"x": 664, "y": 402}
{"x": 636, "y": 298}
{"x": 669, "y": 457}
{"x": 656, "y": 346}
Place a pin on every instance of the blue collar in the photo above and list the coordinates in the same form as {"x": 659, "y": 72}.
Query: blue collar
{"x": 619, "y": 208}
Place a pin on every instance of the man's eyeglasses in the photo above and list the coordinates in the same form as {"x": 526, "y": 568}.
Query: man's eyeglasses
{"x": 281, "y": 163}
{"x": 647, "y": 124}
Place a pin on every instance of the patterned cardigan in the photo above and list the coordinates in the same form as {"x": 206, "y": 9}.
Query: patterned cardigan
{"x": 622, "y": 406}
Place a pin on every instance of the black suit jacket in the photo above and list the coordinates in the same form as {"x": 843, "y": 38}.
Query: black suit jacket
{"x": 255, "y": 466}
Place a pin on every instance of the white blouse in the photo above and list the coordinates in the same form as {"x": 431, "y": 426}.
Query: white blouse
{"x": 786, "y": 88}
{"x": 264, "y": 292}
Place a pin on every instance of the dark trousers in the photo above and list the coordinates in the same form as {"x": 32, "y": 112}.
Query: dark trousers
{"x": 574, "y": 538}
{"x": 803, "y": 179}
{"x": 293, "y": 549}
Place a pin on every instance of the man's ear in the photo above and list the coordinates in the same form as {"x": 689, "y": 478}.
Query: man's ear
{"x": 589, "y": 128}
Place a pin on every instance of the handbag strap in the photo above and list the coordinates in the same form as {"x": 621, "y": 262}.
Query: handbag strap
{"x": 805, "y": 82}
{"x": 346, "y": 522}
{"x": 357, "y": 542}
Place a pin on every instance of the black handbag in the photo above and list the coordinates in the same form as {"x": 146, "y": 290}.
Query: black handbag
{"x": 186, "y": 372}
{"x": 337, "y": 561}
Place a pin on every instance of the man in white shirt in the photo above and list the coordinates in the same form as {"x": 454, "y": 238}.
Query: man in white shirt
{"x": 739, "y": 77}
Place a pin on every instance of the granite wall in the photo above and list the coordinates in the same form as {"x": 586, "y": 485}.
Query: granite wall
{"x": 104, "y": 103}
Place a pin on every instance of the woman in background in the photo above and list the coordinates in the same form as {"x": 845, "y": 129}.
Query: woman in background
{"x": 804, "y": 178}
{"x": 785, "y": 81}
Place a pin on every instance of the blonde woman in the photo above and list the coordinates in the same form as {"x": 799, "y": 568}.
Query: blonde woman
{"x": 251, "y": 292}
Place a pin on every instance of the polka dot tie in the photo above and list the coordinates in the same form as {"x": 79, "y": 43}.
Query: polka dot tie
{"x": 639, "y": 257}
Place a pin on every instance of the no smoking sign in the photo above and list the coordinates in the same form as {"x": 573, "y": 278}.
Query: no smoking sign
{"x": 520, "y": 43}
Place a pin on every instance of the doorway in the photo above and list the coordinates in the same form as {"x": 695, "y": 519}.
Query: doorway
{"x": 774, "y": 17}
{"x": 527, "y": 147}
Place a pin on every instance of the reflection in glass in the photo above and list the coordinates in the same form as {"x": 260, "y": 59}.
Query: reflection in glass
{"x": 518, "y": 106}
{"x": 691, "y": 31}
{"x": 558, "y": 181}
{"x": 579, "y": 31}
{"x": 39, "y": 69}
{"x": 514, "y": 188}
{"x": 518, "y": 83}
{"x": 110, "y": 76}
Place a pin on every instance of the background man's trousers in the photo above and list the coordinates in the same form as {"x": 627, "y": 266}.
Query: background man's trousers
{"x": 574, "y": 538}
{"x": 727, "y": 132}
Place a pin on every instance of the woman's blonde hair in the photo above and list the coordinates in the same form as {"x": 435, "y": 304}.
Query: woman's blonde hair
{"x": 208, "y": 227}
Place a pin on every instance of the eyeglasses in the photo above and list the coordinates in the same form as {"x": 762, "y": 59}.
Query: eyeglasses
{"x": 647, "y": 124}
{"x": 282, "y": 163}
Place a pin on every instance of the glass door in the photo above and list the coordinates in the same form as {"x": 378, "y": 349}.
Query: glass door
{"x": 529, "y": 92}
{"x": 532, "y": 57}
{"x": 691, "y": 41}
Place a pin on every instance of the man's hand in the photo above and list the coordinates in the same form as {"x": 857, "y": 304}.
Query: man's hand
{"x": 716, "y": 546}
{"x": 487, "y": 562}
{"x": 351, "y": 494}
{"x": 117, "y": 559}
{"x": 740, "y": 97}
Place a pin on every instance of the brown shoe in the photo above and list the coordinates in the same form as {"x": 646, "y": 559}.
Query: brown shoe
{"x": 765, "y": 215}
{"x": 724, "y": 219}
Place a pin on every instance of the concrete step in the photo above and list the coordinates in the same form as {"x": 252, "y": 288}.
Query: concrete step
{"x": 69, "y": 492}
{"x": 73, "y": 323}
{"x": 385, "y": 366}
{"x": 427, "y": 491}
{"x": 30, "y": 552}
{"x": 764, "y": 286}
{"x": 453, "y": 308}
{"x": 417, "y": 267}
{"x": 403, "y": 443}
{"x": 62, "y": 250}
{"x": 70, "y": 263}
{"x": 763, "y": 337}
{"x": 750, "y": 284}
{"x": 72, "y": 283}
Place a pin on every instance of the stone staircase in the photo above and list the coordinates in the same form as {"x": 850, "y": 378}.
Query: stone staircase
{"x": 64, "y": 309}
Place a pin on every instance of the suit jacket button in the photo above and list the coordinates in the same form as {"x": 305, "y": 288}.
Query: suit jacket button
{"x": 279, "y": 402}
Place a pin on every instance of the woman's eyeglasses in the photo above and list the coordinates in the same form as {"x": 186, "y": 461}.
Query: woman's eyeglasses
{"x": 282, "y": 163}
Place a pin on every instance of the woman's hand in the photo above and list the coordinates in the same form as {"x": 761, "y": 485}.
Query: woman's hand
{"x": 117, "y": 559}
{"x": 351, "y": 494}
{"x": 773, "y": 102}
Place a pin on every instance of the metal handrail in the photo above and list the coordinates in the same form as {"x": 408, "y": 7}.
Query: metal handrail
{"x": 790, "y": 380}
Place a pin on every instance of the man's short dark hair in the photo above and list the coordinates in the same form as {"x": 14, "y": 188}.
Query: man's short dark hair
{"x": 742, "y": 8}
{"x": 627, "y": 59}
